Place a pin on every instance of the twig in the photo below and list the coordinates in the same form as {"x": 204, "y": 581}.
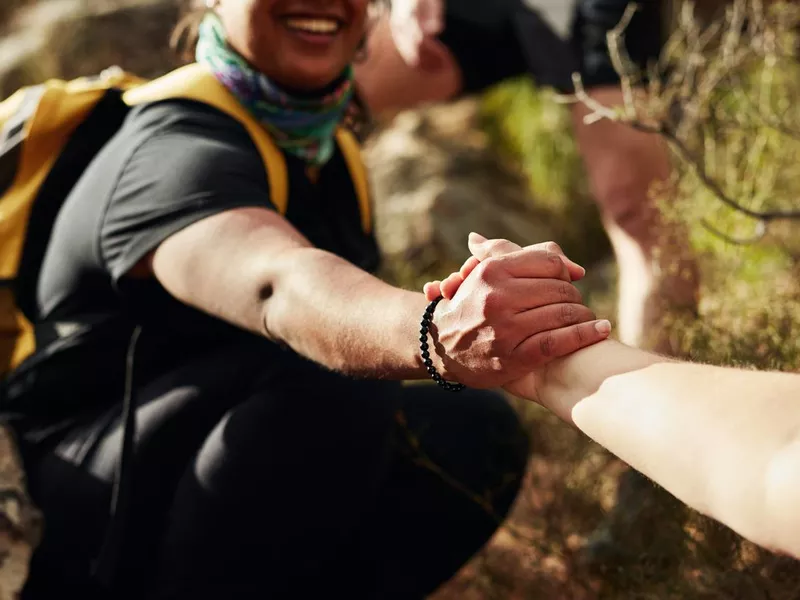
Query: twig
{"x": 761, "y": 232}
{"x": 620, "y": 60}
{"x": 699, "y": 171}
{"x": 733, "y": 56}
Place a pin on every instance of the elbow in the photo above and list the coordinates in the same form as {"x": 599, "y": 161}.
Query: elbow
{"x": 288, "y": 280}
{"x": 274, "y": 295}
{"x": 276, "y": 279}
{"x": 782, "y": 499}
{"x": 267, "y": 320}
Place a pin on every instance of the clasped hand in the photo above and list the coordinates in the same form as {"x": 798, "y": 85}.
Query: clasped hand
{"x": 508, "y": 313}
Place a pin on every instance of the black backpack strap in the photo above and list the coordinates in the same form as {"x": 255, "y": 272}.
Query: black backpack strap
{"x": 105, "y": 570}
{"x": 88, "y": 139}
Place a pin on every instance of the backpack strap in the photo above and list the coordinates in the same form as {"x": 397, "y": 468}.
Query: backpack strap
{"x": 351, "y": 150}
{"x": 194, "y": 82}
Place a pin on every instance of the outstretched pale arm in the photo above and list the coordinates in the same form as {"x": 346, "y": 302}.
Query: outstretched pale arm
{"x": 724, "y": 441}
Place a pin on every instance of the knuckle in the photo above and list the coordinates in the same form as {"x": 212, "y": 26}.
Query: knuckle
{"x": 489, "y": 266}
{"x": 492, "y": 303}
{"x": 581, "y": 334}
{"x": 553, "y": 247}
{"x": 547, "y": 344}
{"x": 484, "y": 270}
{"x": 498, "y": 245}
{"x": 567, "y": 313}
{"x": 565, "y": 291}
{"x": 555, "y": 263}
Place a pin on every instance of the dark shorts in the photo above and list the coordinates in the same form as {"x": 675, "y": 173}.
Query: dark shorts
{"x": 519, "y": 41}
{"x": 290, "y": 486}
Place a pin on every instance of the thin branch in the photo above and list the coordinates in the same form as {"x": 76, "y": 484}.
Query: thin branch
{"x": 620, "y": 59}
{"x": 734, "y": 52}
{"x": 760, "y": 234}
{"x": 699, "y": 171}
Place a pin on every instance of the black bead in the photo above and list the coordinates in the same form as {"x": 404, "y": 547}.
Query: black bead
{"x": 424, "y": 329}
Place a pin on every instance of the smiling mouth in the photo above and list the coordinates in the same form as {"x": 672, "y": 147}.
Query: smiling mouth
{"x": 314, "y": 26}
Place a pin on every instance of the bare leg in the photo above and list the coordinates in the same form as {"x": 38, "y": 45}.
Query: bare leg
{"x": 657, "y": 273}
{"x": 657, "y": 277}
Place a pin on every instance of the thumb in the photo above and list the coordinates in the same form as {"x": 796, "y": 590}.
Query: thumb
{"x": 483, "y": 249}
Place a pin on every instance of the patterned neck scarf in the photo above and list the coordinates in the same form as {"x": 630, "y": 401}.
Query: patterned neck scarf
{"x": 302, "y": 126}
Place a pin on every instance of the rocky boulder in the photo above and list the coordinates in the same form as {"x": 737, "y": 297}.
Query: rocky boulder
{"x": 436, "y": 178}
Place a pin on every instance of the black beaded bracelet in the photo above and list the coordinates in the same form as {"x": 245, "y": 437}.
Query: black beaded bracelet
{"x": 425, "y": 326}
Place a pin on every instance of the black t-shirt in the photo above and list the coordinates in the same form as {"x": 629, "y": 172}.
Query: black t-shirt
{"x": 494, "y": 40}
{"x": 171, "y": 164}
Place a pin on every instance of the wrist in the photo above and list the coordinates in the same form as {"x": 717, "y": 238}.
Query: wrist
{"x": 428, "y": 349}
{"x": 568, "y": 381}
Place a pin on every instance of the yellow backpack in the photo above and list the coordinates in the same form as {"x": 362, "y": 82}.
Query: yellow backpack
{"x": 41, "y": 158}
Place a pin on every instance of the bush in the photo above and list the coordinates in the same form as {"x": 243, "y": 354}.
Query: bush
{"x": 728, "y": 106}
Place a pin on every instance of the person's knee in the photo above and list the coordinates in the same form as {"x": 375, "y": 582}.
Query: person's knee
{"x": 504, "y": 428}
{"x": 507, "y": 439}
{"x": 321, "y": 421}
{"x": 476, "y": 437}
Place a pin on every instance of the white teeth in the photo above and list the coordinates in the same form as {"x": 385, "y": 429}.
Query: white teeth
{"x": 314, "y": 25}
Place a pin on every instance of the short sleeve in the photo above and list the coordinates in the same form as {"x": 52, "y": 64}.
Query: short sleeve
{"x": 595, "y": 18}
{"x": 172, "y": 179}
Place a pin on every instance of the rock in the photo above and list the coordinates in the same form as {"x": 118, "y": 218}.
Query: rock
{"x": 20, "y": 520}
{"x": 435, "y": 178}
{"x": 71, "y": 38}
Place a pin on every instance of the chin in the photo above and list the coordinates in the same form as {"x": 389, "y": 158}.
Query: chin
{"x": 311, "y": 77}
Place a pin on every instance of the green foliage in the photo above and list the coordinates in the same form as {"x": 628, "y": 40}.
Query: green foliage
{"x": 743, "y": 142}
{"x": 530, "y": 127}
{"x": 536, "y": 130}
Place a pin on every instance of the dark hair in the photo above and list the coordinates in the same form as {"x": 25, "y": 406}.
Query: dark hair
{"x": 183, "y": 40}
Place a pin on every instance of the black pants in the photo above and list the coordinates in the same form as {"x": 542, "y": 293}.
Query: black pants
{"x": 300, "y": 484}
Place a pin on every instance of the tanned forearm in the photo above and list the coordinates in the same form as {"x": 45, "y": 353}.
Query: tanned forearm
{"x": 344, "y": 318}
{"x": 263, "y": 276}
{"x": 724, "y": 441}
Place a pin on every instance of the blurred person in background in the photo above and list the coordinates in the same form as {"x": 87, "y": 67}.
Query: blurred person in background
{"x": 437, "y": 50}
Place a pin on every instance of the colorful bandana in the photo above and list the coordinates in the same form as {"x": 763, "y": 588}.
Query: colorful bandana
{"x": 304, "y": 127}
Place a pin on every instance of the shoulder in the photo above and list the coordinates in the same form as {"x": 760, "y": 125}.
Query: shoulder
{"x": 190, "y": 123}
{"x": 183, "y": 162}
{"x": 185, "y": 141}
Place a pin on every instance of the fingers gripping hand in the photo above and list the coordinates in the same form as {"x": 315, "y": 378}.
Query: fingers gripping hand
{"x": 548, "y": 318}
{"x": 483, "y": 249}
